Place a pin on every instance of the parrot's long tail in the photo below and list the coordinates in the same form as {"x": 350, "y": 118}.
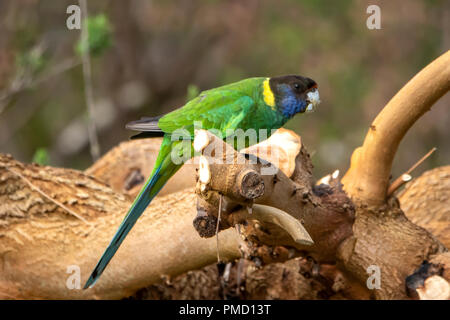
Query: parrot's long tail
{"x": 163, "y": 170}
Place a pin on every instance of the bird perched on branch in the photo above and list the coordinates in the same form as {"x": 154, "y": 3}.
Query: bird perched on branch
{"x": 254, "y": 103}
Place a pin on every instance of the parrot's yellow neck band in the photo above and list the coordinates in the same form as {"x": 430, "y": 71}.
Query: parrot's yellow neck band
{"x": 269, "y": 98}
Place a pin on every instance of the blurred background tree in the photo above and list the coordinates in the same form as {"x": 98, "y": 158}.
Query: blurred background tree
{"x": 148, "y": 57}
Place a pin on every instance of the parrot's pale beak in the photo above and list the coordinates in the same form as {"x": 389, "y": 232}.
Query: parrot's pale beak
{"x": 313, "y": 100}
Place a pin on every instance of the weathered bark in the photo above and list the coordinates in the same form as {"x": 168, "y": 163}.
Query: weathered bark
{"x": 52, "y": 218}
{"x": 298, "y": 278}
{"x": 35, "y": 262}
{"x": 126, "y": 167}
{"x": 382, "y": 237}
{"x": 327, "y": 214}
{"x": 425, "y": 201}
{"x": 401, "y": 245}
{"x": 388, "y": 240}
{"x": 40, "y": 239}
{"x": 431, "y": 281}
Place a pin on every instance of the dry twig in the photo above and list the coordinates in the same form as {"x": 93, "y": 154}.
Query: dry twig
{"x": 405, "y": 177}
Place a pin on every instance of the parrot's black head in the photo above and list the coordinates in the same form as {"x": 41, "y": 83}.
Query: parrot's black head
{"x": 294, "y": 94}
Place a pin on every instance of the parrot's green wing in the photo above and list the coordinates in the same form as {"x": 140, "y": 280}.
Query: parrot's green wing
{"x": 212, "y": 109}
{"x": 236, "y": 105}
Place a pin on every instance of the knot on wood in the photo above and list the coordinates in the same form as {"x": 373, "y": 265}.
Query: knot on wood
{"x": 251, "y": 184}
{"x": 205, "y": 224}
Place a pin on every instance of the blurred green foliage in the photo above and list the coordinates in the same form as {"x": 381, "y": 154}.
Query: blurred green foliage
{"x": 33, "y": 61}
{"x": 100, "y": 36}
{"x": 158, "y": 50}
{"x": 192, "y": 92}
{"x": 41, "y": 157}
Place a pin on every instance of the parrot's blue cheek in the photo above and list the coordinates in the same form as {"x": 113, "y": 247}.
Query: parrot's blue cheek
{"x": 290, "y": 104}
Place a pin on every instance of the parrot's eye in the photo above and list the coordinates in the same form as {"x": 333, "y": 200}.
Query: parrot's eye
{"x": 296, "y": 86}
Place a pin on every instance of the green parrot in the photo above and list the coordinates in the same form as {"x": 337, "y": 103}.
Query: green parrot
{"x": 254, "y": 103}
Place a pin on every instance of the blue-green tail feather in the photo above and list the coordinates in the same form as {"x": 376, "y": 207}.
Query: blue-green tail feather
{"x": 159, "y": 177}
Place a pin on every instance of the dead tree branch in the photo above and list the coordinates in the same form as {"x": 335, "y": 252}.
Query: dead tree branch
{"x": 404, "y": 178}
{"x": 326, "y": 214}
{"x": 384, "y": 238}
{"x": 367, "y": 180}
{"x": 40, "y": 240}
{"x": 425, "y": 202}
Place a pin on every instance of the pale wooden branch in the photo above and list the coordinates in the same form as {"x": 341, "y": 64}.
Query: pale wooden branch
{"x": 435, "y": 288}
{"x": 266, "y": 214}
{"x": 39, "y": 240}
{"x": 425, "y": 201}
{"x": 384, "y": 238}
{"x": 283, "y": 145}
{"x": 224, "y": 174}
{"x": 126, "y": 167}
{"x": 59, "y": 204}
{"x": 367, "y": 180}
